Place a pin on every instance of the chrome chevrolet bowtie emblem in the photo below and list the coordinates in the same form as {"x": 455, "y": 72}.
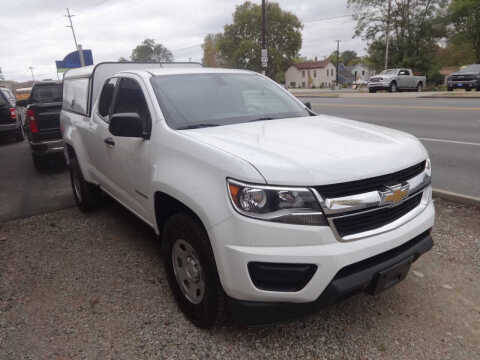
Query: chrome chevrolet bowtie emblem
{"x": 394, "y": 195}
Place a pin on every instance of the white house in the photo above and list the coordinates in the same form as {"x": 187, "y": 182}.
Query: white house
{"x": 311, "y": 74}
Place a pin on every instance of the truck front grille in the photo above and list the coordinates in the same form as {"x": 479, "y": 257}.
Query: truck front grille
{"x": 371, "y": 184}
{"x": 462, "y": 77}
{"x": 374, "y": 219}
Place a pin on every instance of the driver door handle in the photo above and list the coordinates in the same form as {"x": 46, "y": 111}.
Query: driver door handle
{"x": 109, "y": 141}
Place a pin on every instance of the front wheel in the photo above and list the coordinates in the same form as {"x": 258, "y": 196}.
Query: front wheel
{"x": 86, "y": 195}
{"x": 450, "y": 89}
{"x": 393, "y": 87}
{"x": 468, "y": 89}
{"x": 191, "y": 270}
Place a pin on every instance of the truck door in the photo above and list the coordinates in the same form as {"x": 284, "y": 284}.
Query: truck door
{"x": 129, "y": 166}
{"x": 403, "y": 79}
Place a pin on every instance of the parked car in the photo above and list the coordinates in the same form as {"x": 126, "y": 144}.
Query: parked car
{"x": 9, "y": 122}
{"x": 42, "y": 120}
{"x": 395, "y": 80}
{"x": 263, "y": 207}
{"x": 467, "y": 78}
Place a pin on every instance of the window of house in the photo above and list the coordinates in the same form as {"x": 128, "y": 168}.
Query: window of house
{"x": 303, "y": 83}
{"x": 293, "y": 84}
{"x": 314, "y": 73}
{"x": 363, "y": 72}
{"x": 130, "y": 99}
{"x": 303, "y": 73}
{"x": 106, "y": 97}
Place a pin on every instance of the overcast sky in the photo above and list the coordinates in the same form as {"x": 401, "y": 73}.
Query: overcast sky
{"x": 33, "y": 32}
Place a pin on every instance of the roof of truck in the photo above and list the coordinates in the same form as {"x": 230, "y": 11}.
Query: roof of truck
{"x": 87, "y": 71}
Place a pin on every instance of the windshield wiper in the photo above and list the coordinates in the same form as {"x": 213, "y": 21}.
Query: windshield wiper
{"x": 197, "y": 126}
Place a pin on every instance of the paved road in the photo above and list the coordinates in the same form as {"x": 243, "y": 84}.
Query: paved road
{"x": 449, "y": 129}
{"x": 23, "y": 190}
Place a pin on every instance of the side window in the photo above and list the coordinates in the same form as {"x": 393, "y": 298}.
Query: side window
{"x": 75, "y": 95}
{"x": 106, "y": 97}
{"x": 130, "y": 99}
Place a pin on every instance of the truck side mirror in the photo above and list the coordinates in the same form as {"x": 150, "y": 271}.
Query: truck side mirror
{"x": 308, "y": 105}
{"x": 127, "y": 125}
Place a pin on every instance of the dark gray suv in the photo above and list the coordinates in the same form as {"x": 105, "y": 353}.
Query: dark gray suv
{"x": 10, "y": 124}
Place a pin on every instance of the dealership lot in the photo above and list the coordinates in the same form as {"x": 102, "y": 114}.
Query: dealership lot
{"x": 77, "y": 286}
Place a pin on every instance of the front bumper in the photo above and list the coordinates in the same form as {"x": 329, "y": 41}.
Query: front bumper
{"x": 350, "y": 280}
{"x": 239, "y": 241}
{"x": 471, "y": 84}
{"x": 384, "y": 85}
{"x": 47, "y": 147}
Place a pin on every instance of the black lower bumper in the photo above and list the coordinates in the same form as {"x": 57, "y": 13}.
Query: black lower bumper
{"x": 464, "y": 85}
{"x": 352, "y": 279}
{"x": 47, "y": 147}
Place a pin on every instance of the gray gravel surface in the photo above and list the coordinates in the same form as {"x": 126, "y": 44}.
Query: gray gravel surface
{"x": 92, "y": 287}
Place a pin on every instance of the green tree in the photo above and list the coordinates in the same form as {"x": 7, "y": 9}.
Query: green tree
{"x": 347, "y": 57}
{"x": 415, "y": 27}
{"x": 465, "y": 16}
{"x": 150, "y": 51}
{"x": 211, "y": 57}
{"x": 240, "y": 47}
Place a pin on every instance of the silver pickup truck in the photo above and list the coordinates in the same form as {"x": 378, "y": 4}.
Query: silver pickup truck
{"x": 395, "y": 80}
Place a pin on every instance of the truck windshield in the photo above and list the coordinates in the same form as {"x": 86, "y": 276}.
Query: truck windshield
{"x": 47, "y": 93}
{"x": 213, "y": 99}
{"x": 470, "y": 68}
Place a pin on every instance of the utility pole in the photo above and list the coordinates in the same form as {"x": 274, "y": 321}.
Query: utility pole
{"x": 31, "y": 70}
{"x": 338, "y": 58}
{"x": 79, "y": 49}
{"x": 388, "y": 33}
{"x": 264, "y": 38}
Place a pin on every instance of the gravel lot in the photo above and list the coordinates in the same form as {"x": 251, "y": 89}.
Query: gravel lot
{"x": 92, "y": 287}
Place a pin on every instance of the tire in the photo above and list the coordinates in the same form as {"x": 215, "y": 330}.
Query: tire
{"x": 20, "y": 136}
{"x": 39, "y": 162}
{"x": 419, "y": 87}
{"x": 468, "y": 89}
{"x": 372, "y": 91}
{"x": 450, "y": 89}
{"x": 200, "y": 295}
{"x": 86, "y": 195}
{"x": 393, "y": 87}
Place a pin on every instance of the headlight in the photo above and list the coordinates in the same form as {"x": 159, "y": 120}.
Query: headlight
{"x": 278, "y": 204}
{"x": 428, "y": 167}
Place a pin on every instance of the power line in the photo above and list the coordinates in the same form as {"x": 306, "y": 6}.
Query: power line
{"x": 327, "y": 19}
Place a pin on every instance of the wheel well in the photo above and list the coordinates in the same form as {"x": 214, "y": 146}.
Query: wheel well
{"x": 70, "y": 151}
{"x": 166, "y": 206}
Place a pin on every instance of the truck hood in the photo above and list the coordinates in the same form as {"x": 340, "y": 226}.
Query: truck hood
{"x": 315, "y": 150}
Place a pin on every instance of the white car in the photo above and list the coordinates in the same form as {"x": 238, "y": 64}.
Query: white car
{"x": 263, "y": 206}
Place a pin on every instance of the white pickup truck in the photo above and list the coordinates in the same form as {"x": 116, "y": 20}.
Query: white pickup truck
{"x": 263, "y": 207}
{"x": 395, "y": 80}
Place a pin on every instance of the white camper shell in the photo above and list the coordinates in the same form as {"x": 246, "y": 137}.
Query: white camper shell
{"x": 81, "y": 86}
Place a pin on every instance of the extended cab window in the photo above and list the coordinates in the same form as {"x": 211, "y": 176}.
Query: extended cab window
{"x": 130, "y": 99}
{"x": 106, "y": 98}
